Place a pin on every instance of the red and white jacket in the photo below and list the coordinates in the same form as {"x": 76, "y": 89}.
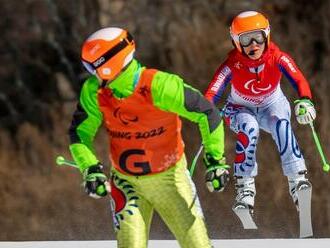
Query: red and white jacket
{"x": 256, "y": 83}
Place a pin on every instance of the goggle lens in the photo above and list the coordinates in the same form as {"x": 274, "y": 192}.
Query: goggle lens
{"x": 89, "y": 67}
{"x": 246, "y": 39}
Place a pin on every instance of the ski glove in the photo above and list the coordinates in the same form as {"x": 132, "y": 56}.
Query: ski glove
{"x": 95, "y": 181}
{"x": 304, "y": 111}
{"x": 217, "y": 175}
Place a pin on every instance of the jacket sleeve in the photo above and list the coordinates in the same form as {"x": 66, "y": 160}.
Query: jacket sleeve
{"x": 219, "y": 83}
{"x": 85, "y": 122}
{"x": 170, "y": 93}
{"x": 291, "y": 71}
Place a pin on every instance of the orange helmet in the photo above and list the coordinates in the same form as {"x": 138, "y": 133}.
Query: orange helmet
{"x": 246, "y": 22}
{"x": 107, "y": 51}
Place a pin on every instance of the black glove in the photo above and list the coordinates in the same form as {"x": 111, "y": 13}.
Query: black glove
{"x": 217, "y": 174}
{"x": 95, "y": 181}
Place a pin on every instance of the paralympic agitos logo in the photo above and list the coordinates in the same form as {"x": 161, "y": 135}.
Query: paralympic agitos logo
{"x": 125, "y": 118}
{"x": 254, "y": 87}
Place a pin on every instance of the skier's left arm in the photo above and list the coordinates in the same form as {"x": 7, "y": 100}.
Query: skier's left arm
{"x": 304, "y": 107}
{"x": 170, "y": 93}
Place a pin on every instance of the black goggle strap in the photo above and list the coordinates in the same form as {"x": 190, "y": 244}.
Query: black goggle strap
{"x": 110, "y": 53}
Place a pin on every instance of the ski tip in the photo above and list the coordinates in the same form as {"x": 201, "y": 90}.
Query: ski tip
{"x": 60, "y": 160}
{"x": 244, "y": 213}
{"x": 306, "y": 235}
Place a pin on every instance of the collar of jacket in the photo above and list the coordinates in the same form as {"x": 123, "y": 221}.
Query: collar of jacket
{"x": 124, "y": 85}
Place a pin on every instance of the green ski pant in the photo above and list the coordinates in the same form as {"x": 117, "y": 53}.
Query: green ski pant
{"x": 173, "y": 195}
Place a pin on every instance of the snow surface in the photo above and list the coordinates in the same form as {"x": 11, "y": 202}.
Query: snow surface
{"x": 227, "y": 243}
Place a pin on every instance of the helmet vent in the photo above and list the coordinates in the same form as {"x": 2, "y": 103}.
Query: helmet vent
{"x": 247, "y": 14}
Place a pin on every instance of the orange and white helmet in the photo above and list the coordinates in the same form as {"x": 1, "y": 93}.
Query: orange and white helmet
{"x": 107, "y": 51}
{"x": 246, "y": 22}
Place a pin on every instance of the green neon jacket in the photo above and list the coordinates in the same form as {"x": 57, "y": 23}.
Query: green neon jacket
{"x": 169, "y": 93}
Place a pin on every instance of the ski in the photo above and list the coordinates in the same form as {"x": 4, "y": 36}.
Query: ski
{"x": 245, "y": 215}
{"x": 304, "y": 201}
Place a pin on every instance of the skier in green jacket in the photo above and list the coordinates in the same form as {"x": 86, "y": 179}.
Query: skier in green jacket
{"x": 140, "y": 109}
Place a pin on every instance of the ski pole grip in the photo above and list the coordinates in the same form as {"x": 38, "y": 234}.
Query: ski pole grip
{"x": 60, "y": 160}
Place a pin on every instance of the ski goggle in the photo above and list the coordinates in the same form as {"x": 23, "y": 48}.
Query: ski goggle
{"x": 246, "y": 39}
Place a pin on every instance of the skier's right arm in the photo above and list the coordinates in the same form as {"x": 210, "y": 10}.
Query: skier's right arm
{"x": 85, "y": 122}
{"x": 219, "y": 83}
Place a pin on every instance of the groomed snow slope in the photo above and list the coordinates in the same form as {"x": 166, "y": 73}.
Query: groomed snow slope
{"x": 237, "y": 243}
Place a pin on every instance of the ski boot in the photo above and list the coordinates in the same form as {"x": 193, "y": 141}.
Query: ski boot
{"x": 244, "y": 202}
{"x": 301, "y": 193}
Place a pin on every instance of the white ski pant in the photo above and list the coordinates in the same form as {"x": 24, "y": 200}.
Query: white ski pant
{"x": 274, "y": 119}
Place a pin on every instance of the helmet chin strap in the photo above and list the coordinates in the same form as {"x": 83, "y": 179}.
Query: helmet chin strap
{"x": 104, "y": 83}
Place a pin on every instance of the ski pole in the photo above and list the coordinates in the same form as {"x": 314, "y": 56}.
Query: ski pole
{"x": 326, "y": 166}
{"x": 60, "y": 160}
{"x": 194, "y": 162}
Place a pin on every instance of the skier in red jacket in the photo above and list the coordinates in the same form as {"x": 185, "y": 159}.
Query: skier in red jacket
{"x": 254, "y": 68}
